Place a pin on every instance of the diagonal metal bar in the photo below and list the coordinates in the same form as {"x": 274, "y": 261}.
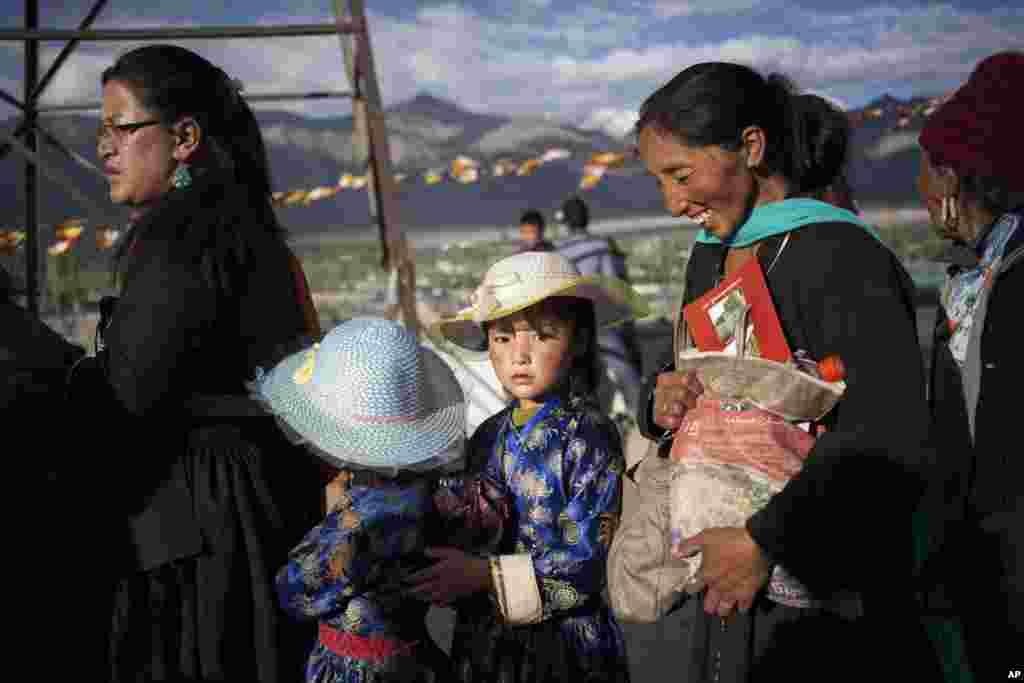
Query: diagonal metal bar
{"x": 67, "y": 50}
{"x": 11, "y": 100}
{"x": 55, "y": 174}
{"x": 55, "y": 142}
{"x": 49, "y": 137}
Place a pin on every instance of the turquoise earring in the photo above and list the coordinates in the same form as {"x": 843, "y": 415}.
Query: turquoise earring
{"x": 182, "y": 178}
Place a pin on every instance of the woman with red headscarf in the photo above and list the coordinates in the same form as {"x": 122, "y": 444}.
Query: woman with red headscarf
{"x": 972, "y": 181}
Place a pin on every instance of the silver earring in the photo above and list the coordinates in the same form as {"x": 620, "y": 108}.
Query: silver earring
{"x": 182, "y": 177}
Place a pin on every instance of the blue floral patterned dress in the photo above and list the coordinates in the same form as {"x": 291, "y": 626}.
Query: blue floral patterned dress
{"x": 347, "y": 574}
{"x": 561, "y": 476}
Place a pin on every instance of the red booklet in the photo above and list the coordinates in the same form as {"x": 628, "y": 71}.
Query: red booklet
{"x": 712, "y": 318}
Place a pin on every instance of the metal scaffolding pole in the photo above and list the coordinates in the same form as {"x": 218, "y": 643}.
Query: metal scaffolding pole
{"x": 368, "y": 113}
{"x": 32, "y": 242}
{"x": 262, "y": 97}
{"x": 175, "y": 33}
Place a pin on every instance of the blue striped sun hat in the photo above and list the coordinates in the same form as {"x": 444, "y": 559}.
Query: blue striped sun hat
{"x": 370, "y": 396}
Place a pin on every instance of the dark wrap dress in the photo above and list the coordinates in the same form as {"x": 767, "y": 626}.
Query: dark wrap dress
{"x": 977, "y": 573}
{"x": 202, "y": 498}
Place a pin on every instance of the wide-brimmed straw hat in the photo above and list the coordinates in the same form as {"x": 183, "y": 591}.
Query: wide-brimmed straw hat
{"x": 522, "y": 280}
{"x": 369, "y": 396}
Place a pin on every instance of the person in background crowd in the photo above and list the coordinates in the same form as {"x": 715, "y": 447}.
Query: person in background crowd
{"x": 191, "y": 471}
{"x": 728, "y": 150}
{"x": 972, "y": 182}
{"x": 594, "y": 255}
{"x": 531, "y": 232}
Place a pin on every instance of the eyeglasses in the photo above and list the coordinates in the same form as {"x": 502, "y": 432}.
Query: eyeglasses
{"x": 119, "y": 131}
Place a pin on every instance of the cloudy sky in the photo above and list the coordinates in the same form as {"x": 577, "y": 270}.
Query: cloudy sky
{"x": 578, "y": 61}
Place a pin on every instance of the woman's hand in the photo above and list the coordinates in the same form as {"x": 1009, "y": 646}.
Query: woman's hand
{"x": 674, "y": 394}
{"x": 732, "y": 567}
{"x": 455, "y": 575}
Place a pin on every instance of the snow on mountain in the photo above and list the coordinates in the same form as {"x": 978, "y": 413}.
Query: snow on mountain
{"x": 518, "y": 134}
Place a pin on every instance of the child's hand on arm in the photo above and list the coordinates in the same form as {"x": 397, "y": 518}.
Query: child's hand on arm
{"x": 337, "y": 490}
{"x": 455, "y": 575}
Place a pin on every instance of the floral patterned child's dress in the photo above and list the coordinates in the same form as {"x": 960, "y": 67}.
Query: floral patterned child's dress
{"x": 347, "y": 574}
{"x": 560, "y": 470}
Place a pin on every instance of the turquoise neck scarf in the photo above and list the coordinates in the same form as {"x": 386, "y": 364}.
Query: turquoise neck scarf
{"x": 777, "y": 218}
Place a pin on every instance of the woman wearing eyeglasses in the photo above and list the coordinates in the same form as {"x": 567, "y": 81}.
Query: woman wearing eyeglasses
{"x": 190, "y": 468}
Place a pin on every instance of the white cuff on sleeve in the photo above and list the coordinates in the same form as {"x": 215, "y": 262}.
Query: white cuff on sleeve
{"x": 516, "y": 590}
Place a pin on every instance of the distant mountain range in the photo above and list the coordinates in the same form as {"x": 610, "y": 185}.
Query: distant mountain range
{"x": 426, "y": 132}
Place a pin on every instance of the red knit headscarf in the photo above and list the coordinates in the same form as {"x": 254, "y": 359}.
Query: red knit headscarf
{"x": 977, "y": 131}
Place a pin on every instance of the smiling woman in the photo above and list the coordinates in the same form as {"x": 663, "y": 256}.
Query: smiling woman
{"x": 730, "y": 149}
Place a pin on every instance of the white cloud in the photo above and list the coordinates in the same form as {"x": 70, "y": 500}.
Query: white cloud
{"x": 587, "y": 63}
{"x": 681, "y": 8}
{"x": 661, "y": 62}
{"x": 835, "y": 101}
{"x": 615, "y": 122}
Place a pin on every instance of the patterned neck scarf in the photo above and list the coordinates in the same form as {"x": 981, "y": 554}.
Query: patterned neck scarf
{"x": 963, "y": 289}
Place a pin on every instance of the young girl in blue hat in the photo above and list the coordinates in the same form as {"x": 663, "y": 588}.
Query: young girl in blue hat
{"x": 388, "y": 416}
{"x": 530, "y": 605}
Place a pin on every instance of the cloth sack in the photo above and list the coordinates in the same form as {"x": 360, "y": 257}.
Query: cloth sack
{"x": 711, "y": 474}
{"x": 645, "y": 582}
{"x": 727, "y": 460}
